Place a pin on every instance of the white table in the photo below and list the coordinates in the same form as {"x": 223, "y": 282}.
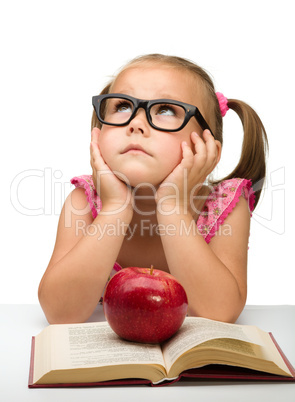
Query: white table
{"x": 20, "y": 322}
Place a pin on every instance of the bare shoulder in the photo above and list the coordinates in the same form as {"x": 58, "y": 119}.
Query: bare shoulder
{"x": 75, "y": 208}
{"x": 77, "y": 202}
{"x": 235, "y": 229}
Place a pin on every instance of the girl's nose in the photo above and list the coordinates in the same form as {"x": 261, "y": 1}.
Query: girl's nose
{"x": 139, "y": 124}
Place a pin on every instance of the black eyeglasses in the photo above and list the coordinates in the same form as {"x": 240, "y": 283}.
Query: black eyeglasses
{"x": 162, "y": 114}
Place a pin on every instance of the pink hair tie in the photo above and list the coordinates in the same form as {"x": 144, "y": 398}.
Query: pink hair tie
{"x": 222, "y": 103}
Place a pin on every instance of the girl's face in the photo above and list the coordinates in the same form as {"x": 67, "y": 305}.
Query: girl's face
{"x": 160, "y": 151}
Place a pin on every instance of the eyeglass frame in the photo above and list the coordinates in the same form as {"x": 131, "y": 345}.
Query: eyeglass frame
{"x": 190, "y": 111}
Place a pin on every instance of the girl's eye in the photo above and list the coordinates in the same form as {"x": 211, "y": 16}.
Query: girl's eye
{"x": 166, "y": 110}
{"x": 123, "y": 107}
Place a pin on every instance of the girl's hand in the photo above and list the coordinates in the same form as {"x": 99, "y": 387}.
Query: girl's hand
{"x": 115, "y": 195}
{"x": 188, "y": 177}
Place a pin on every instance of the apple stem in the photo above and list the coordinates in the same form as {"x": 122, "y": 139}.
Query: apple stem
{"x": 151, "y": 270}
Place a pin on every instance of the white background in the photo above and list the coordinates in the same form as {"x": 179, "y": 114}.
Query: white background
{"x": 56, "y": 55}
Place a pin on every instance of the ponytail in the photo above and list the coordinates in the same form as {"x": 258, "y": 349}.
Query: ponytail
{"x": 252, "y": 163}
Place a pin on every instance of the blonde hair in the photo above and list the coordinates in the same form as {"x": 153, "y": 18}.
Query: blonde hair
{"x": 252, "y": 163}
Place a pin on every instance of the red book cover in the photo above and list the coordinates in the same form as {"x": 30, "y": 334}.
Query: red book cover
{"x": 211, "y": 372}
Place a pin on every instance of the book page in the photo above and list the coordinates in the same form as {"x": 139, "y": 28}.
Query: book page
{"x": 195, "y": 331}
{"x": 233, "y": 345}
{"x": 91, "y": 345}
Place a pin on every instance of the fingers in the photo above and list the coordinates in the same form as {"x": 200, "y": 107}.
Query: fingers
{"x": 187, "y": 156}
{"x": 95, "y": 134}
{"x": 96, "y": 159}
{"x": 200, "y": 146}
{"x": 213, "y": 148}
{"x": 206, "y": 150}
{"x": 94, "y": 140}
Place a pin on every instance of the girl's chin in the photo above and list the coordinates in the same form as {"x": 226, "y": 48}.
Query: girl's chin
{"x": 139, "y": 181}
{"x": 142, "y": 184}
{"x": 136, "y": 173}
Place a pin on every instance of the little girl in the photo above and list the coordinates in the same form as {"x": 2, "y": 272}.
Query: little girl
{"x": 156, "y": 136}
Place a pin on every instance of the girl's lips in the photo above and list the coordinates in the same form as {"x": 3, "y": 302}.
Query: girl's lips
{"x": 135, "y": 149}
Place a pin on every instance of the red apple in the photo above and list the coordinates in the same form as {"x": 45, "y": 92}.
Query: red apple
{"x": 144, "y": 305}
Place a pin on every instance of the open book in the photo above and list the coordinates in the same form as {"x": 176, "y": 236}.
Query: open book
{"x": 92, "y": 354}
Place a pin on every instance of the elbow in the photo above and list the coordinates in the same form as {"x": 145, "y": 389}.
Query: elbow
{"x": 41, "y": 299}
{"x": 50, "y": 311}
{"x": 225, "y": 312}
{"x": 222, "y": 316}
{"x": 230, "y": 317}
{"x": 40, "y": 293}
{"x": 59, "y": 316}
{"x": 62, "y": 312}
{"x": 46, "y": 308}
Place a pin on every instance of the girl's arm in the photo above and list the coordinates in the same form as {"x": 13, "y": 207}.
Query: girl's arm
{"x": 86, "y": 249}
{"x": 81, "y": 262}
{"x": 214, "y": 275}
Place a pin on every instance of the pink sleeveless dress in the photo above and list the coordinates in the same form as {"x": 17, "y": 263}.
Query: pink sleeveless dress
{"x": 220, "y": 202}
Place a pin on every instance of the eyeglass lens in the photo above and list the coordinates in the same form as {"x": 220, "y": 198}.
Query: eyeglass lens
{"x": 163, "y": 115}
